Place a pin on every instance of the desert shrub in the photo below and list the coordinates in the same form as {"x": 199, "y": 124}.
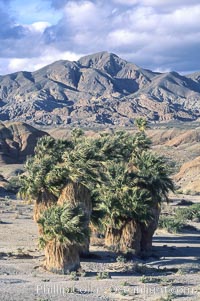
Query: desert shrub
{"x": 184, "y": 202}
{"x": 121, "y": 258}
{"x": 145, "y": 279}
{"x": 13, "y": 185}
{"x": 169, "y": 297}
{"x": 191, "y": 192}
{"x": 171, "y": 224}
{"x": 74, "y": 276}
{"x": 103, "y": 275}
{"x": 189, "y": 213}
{"x": 125, "y": 283}
{"x": 179, "y": 191}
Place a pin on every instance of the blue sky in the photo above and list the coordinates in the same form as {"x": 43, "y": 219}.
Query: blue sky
{"x": 160, "y": 35}
{"x": 30, "y": 11}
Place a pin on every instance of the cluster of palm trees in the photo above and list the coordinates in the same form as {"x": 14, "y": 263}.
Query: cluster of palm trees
{"x": 114, "y": 182}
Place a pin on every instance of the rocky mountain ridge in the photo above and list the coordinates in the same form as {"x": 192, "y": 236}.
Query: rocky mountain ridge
{"x": 98, "y": 89}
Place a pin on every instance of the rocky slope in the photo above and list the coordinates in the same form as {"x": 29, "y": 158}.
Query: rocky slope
{"x": 17, "y": 141}
{"x": 188, "y": 177}
{"x": 98, "y": 89}
{"x": 181, "y": 146}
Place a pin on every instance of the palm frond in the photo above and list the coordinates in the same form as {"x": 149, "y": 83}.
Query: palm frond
{"x": 64, "y": 223}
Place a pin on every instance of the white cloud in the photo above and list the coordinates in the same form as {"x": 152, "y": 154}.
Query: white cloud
{"x": 31, "y": 64}
{"x": 167, "y": 4}
{"x": 38, "y": 26}
{"x": 155, "y": 34}
{"x": 122, "y": 37}
{"x": 86, "y": 15}
{"x": 126, "y": 2}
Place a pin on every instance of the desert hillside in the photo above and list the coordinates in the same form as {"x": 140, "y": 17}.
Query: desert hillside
{"x": 189, "y": 176}
{"x": 182, "y": 148}
{"x": 17, "y": 141}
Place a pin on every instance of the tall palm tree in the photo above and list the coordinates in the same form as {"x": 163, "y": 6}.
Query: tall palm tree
{"x": 63, "y": 230}
{"x": 152, "y": 174}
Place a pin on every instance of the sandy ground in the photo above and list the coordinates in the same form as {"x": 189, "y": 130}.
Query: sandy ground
{"x": 172, "y": 273}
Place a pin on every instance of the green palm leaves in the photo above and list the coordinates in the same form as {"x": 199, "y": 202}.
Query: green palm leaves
{"x": 125, "y": 180}
{"x": 44, "y": 172}
{"x": 152, "y": 174}
{"x": 64, "y": 224}
{"x": 121, "y": 199}
{"x": 141, "y": 123}
{"x": 118, "y": 165}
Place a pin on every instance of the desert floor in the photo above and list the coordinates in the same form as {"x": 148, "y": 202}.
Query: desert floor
{"x": 172, "y": 273}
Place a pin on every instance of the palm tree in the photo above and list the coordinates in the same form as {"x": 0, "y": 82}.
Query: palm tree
{"x": 44, "y": 178}
{"x": 85, "y": 172}
{"x": 141, "y": 123}
{"x": 77, "y": 194}
{"x": 63, "y": 230}
{"x": 61, "y": 171}
{"x": 136, "y": 182}
{"x": 124, "y": 206}
{"x": 152, "y": 174}
{"x": 114, "y": 176}
{"x": 77, "y": 133}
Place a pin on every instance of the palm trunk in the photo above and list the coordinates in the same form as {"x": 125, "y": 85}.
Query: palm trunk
{"x": 112, "y": 238}
{"x": 61, "y": 259}
{"x": 126, "y": 239}
{"x": 149, "y": 229}
{"x": 78, "y": 195}
{"x": 43, "y": 202}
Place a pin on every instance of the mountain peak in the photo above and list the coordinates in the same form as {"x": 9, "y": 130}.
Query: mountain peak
{"x": 95, "y": 58}
{"x": 104, "y": 61}
{"x": 100, "y": 88}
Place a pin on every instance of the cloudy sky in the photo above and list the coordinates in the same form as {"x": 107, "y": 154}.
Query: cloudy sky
{"x": 160, "y": 35}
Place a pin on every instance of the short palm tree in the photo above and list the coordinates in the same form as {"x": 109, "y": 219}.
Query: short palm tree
{"x": 63, "y": 230}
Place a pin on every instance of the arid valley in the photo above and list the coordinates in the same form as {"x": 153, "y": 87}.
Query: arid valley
{"x": 171, "y": 272}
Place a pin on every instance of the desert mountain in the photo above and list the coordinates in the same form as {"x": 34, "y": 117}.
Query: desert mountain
{"x": 98, "y": 89}
{"x": 17, "y": 141}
